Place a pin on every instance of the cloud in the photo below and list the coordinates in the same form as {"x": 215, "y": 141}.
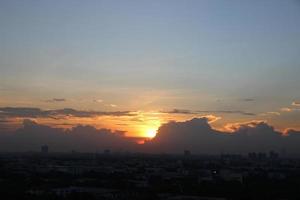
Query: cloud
{"x": 56, "y": 100}
{"x": 195, "y": 134}
{"x": 274, "y": 113}
{"x": 292, "y": 140}
{"x": 271, "y": 113}
{"x": 178, "y": 111}
{"x": 211, "y": 118}
{"x": 187, "y": 112}
{"x": 234, "y": 127}
{"x": 3, "y": 119}
{"x": 198, "y": 136}
{"x": 81, "y": 138}
{"x": 227, "y": 112}
{"x": 295, "y": 103}
{"x": 22, "y": 112}
{"x": 291, "y": 131}
{"x": 79, "y": 113}
{"x": 98, "y": 100}
{"x": 25, "y": 112}
{"x": 286, "y": 110}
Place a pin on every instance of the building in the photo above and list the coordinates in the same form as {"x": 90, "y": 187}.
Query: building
{"x": 187, "y": 152}
{"x": 44, "y": 149}
{"x": 106, "y": 152}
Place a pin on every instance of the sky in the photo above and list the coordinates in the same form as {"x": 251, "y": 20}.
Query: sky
{"x": 134, "y": 65}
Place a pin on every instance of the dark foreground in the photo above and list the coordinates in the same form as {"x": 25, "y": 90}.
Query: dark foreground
{"x": 135, "y": 176}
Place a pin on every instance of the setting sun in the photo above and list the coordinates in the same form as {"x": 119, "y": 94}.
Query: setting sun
{"x": 151, "y": 132}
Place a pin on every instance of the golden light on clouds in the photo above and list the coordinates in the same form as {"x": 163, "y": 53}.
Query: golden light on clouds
{"x": 147, "y": 124}
{"x": 142, "y": 123}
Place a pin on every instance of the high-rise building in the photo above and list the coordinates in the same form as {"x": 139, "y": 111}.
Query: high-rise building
{"x": 187, "y": 152}
{"x": 106, "y": 152}
{"x": 44, "y": 149}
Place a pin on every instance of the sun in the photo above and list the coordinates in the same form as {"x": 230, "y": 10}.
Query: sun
{"x": 151, "y": 132}
{"x": 149, "y": 127}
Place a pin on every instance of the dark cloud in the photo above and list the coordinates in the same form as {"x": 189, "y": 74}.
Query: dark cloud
{"x": 227, "y": 112}
{"x": 3, "y": 119}
{"x": 192, "y": 135}
{"x": 291, "y": 132}
{"x": 5, "y": 124}
{"x": 78, "y": 113}
{"x": 56, "y": 100}
{"x": 198, "y": 136}
{"x": 25, "y": 112}
{"x": 182, "y": 111}
{"x": 292, "y": 140}
{"x": 81, "y": 138}
{"x": 178, "y": 111}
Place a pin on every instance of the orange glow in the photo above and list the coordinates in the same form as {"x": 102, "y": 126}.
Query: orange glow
{"x": 140, "y": 124}
{"x": 149, "y": 126}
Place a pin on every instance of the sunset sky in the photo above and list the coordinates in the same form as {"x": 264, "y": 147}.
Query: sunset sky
{"x": 133, "y": 65}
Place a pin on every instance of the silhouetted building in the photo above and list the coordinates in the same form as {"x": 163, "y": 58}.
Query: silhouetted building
{"x": 273, "y": 155}
{"x": 106, "y": 152}
{"x": 187, "y": 152}
{"x": 283, "y": 153}
{"x": 252, "y": 155}
{"x": 44, "y": 149}
{"x": 257, "y": 156}
{"x": 261, "y": 156}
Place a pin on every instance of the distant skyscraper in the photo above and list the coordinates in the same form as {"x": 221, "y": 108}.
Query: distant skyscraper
{"x": 44, "y": 149}
{"x": 187, "y": 152}
{"x": 273, "y": 155}
{"x": 106, "y": 152}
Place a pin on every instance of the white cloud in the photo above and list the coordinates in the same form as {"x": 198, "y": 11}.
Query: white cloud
{"x": 98, "y": 101}
{"x": 296, "y": 103}
{"x": 286, "y": 110}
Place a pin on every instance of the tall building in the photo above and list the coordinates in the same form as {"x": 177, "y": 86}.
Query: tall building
{"x": 187, "y": 152}
{"x": 106, "y": 152}
{"x": 44, "y": 149}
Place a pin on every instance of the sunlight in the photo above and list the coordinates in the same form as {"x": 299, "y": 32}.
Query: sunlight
{"x": 151, "y": 132}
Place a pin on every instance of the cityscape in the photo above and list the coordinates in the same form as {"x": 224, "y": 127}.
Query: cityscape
{"x": 149, "y": 99}
{"x": 109, "y": 175}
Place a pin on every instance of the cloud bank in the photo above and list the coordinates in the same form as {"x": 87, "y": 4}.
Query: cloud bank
{"x": 25, "y": 112}
{"x": 56, "y": 100}
{"x": 196, "y": 135}
{"x": 80, "y": 138}
{"x": 186, "y": 112}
